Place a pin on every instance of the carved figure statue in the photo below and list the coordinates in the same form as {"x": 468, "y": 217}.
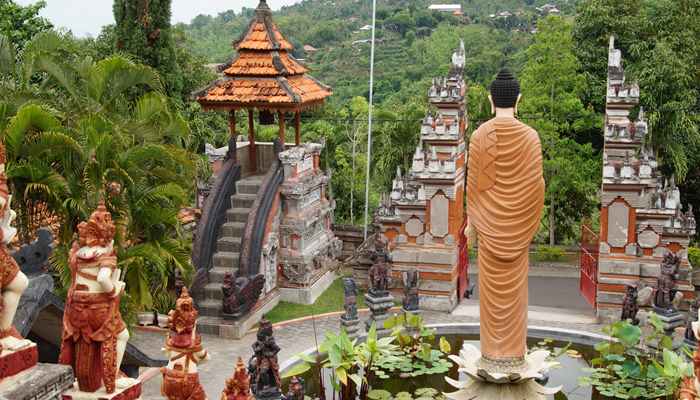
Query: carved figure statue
{"x": 379, "y": 275}
{"x": 12, "y": 281}
{"x": 505, "y": 223}
{"x": 665, "y": 283}
{"x": 238, "y": 386}
{"x": 350, "y": 305}
{"x": 296, "y": 389}
{"x": 241, "y": 294}
{"x": 630, "y": 307}
{"x": 184, "y": 350}
{"x": 263, "y": 366}
{"x": 94, "y": 334}
{"x": 410, "y": 290}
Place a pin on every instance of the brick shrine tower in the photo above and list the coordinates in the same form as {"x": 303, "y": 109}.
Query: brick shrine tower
{"x": 641, "y": 216}
{"x": 422, "y": 216}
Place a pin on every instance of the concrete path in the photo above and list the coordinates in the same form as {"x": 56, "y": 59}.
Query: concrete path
{"x": 299, "y": 336}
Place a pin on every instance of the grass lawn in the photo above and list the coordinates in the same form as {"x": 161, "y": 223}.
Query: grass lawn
{"x": 331, "y": 300}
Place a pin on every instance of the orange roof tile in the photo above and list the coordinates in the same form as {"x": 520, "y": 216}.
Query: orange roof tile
{"x": 298, "y": 89}
{"x": 263, "y": 34}
{"x": 268, "y": 63}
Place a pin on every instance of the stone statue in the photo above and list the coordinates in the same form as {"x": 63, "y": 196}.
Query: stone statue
{"x": 350, "y": 305}
{"x": 241, "y": 294}
{"x": 630, "y": 307}
{"x": 238, "y": 386}
{"x": 94, "y": 334}
{"x": 184, "y": 350}
{"x": 665, "y": 294}
{"x": 263, "y": 366}
{"x": 410, "y": 290}
{"x": 12, "y": 284}
{"x": 505, "y": 204}
{"x": 296, "y": 389}
{"x": 379, "y": 275}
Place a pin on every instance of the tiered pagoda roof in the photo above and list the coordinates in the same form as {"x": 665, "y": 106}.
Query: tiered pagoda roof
{"x": 264, "y": 74}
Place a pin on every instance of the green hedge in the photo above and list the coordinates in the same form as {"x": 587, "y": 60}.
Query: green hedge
{"x": 694, "y": 256}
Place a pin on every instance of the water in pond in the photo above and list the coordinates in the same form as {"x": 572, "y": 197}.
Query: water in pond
{"x": 566, "y": 375}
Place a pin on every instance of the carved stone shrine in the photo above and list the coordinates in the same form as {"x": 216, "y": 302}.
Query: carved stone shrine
{"x": 422, "y": 216}
{"x": 184, "y": 351}
{"x": 308, "y": 248}
{"x": 641, "y": 218}
{"x": 16, "y": 353}
{"x": 263, "y": 367}
{"x": 238, "y": 386}
{"x": 378, "y": 298}
{"x": 94, "y": 334}
{"x": 350, "y": 320}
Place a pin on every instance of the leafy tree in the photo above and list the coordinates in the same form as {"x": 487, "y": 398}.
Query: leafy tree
{"x": 550, "y": 85}
{"x": 143, "y": 30}
{"x": 21, "y": 23}
{"x": 81, "y": 136}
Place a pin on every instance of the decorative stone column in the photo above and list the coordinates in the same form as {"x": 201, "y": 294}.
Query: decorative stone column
{"x": 308, "y": 248}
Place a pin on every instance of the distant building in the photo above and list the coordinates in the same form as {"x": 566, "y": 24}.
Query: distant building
{"x": 366, "y": 28}
{"x": 309, "y": 49}
{"x": 502, "y": 14}
{"x": 548, "y": 9}
{"x": 450, "y": 8}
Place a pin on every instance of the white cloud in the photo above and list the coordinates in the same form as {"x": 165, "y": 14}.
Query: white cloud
{"x": 86, "y": 17}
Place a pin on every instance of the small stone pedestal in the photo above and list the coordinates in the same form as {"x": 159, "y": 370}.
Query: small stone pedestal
{"x": 379, "y": 304}
{"x": 131, "y": 392}
{"x": 41, "y": 382}
{"x": 14, "y": 362}
{"x": 671, "y": 319}
{"x": 352, "y": 326}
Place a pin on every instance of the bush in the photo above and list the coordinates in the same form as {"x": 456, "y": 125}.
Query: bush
{"x": 694, "y": 256}
{"x": 549, "y": 253}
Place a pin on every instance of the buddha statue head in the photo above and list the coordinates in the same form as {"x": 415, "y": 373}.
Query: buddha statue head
{"x": 505, "y": 91}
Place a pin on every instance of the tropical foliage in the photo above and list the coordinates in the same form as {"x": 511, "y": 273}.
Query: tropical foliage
{"x": 635, "y": 365}
{"x": 78, "y": 131}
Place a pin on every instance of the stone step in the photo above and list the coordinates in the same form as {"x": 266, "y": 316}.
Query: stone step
{"x": 227, "y": 243}
{"x": 213, "y": 291}
{"x": 209, "y": 325}
{"x": 243, "y": 200}
{"x": 226, "y": 259}
{"x": 237, "y": 214}
{"x": 249, "y": 185}
{"x": 232, "y": 229}
{"x": 209, "y": 308}
{"x": 217, "y": 274}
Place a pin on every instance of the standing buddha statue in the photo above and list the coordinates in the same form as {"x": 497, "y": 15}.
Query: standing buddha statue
{"x": 185, "y": 351}
{"x": 505, "y": 197}
{"x": 12, "y": 284}
{"x": 94, "y": 334}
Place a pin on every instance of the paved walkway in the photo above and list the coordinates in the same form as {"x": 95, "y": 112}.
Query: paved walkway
{"x": 296, "y": 337}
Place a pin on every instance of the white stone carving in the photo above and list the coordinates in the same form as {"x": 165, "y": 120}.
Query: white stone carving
{"x": 414, "y": 227}
{"x": 439, "y": 215}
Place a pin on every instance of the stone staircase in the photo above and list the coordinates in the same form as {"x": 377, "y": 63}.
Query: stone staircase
{"x": 228, "y": 246}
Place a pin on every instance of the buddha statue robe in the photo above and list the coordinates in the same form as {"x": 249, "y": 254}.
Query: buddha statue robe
{"x": 505, "y": 197}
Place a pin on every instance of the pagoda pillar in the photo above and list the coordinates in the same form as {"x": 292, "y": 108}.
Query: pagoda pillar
{"x": 280, "y": 117}
{"x": 232, "y": 123}
{"x": 252, "y": 151}
{"x": 297, "y": 128}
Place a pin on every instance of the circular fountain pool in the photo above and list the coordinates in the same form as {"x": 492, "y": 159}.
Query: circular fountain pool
{"x": 572, "y": 363}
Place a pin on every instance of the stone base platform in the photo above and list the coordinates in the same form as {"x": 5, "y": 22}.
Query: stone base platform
{"x": 131, "y": 392}
{"x": 41, "y": 382}
{"x": 230, "y": 329}
{"x": 379, "y": 306}
{"x": 14, "y": 362}
{"x": 308, "y": 295}
{"x": 352, "y": 326}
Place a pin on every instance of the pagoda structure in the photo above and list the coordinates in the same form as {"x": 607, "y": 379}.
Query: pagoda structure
{"x": 263, "y": 75}
{"x": 421, "y": 218}
{"x": 641, "y": 217}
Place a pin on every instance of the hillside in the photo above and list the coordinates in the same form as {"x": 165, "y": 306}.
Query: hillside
{"x": 413, "y": 43}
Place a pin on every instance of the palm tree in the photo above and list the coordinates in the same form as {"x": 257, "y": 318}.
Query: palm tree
{"x": 77, "y": 131}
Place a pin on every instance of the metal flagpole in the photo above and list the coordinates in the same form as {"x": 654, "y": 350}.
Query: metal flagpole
{"x": 369, "y": 123}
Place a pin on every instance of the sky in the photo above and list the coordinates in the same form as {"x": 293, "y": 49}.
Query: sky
{"x": 86, "y": 17}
